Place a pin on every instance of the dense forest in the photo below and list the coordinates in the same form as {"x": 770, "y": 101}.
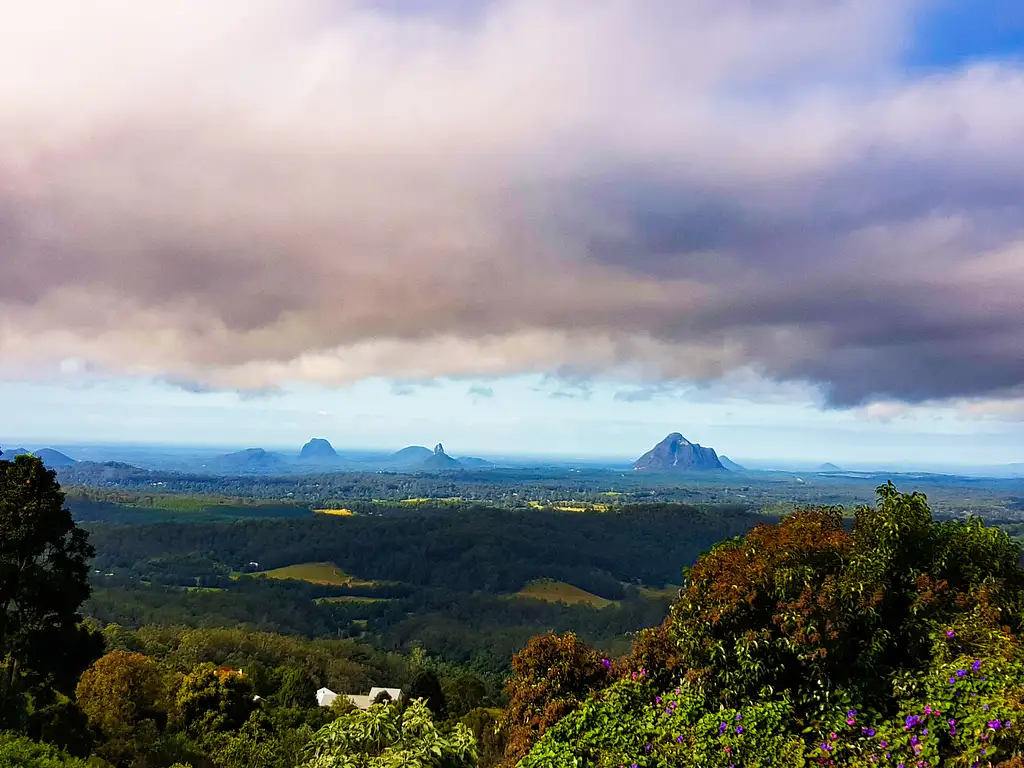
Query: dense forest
{"x": 440, "y": 578}
{"x": 828, "y": 636}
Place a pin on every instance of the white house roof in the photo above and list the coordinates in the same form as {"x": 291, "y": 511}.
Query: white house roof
{"x": 325, "y": 697}
{"x": 394, "y": 693}
{"x": 360, "y": 702}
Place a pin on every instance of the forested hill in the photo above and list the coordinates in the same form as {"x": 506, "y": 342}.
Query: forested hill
{"x": 466, "y": 550}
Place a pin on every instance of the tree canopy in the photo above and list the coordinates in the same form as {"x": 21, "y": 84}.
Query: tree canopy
{"x": 44, "y": 559}
{"x": 896, "y": 642}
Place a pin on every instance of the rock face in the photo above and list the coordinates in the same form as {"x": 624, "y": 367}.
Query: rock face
{"x": 439, "y": 460}
{"x": 677, "y": 454}
{"x": 319, "y": 450}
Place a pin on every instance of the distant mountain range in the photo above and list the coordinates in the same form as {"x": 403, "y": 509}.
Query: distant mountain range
{"x": 51, "y": 457}
{"x": 677, "y": 454}
{"x": 319, "y": 455}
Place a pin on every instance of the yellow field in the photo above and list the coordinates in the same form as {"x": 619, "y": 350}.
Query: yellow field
{"x": 316, "y": 573}
{"x": 560, "y": 592}
{"x": 343, "y": 512}
{"x": 570, "y": 506}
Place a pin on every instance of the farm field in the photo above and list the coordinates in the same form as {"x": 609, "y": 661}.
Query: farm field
{"x": 560, "y": 592}
{"x": 316, "y": 573}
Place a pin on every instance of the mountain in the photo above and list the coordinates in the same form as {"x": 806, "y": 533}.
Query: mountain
{"x": 413, "y": 454}
{"x": 318, "y": 450}
{"x": 53, "y": 458}
{"x": 677, "y": 454}
{"x": 828, "y": 466}
{"x": 475, "y": 463}
{"x": 10, "y": 453}
{"x": 250, "y": 457}
{"x": 731, "y": 465}
{"x": 439, "y": 460}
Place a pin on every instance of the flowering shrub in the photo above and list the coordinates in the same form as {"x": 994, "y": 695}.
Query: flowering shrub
{"x": 896, "y": 643}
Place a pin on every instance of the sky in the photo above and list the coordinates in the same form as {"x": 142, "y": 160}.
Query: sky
{"x": 788, "y": 229}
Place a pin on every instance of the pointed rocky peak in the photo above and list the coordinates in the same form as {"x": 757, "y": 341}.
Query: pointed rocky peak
{"x": 439, "y": 460}
{"x": 676, "y": 453}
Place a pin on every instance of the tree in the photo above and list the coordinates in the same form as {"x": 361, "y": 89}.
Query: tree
{"x": 550, "y": 677}
{"x": 20, "y": 752}
{"x": 43, "y": 581}
{"x": 121, "y": 690}
{"x": 426, "y": 685}
{"x": 212, "y": 699}
{"x": 463, "y": 694}
{"x": 297, "y": 689}
{"x": 898, "y": 642}
{"x": 391, "y": 737}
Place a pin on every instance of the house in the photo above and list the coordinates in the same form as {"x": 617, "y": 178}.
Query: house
{"x": 325, "y": 697}
{"x": 393, "y": 693}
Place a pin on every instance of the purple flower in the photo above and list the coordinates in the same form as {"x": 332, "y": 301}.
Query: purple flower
{"x": 679, "y": 739}
{"x": 949, "y": 633}
{"x": 976, "y": 665}
{"x": 739, "y": 729}
{"x": 607, "y": 664}
{"x": 961, "y": 672}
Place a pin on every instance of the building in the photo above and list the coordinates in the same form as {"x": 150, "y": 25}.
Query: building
{"x": 325, "y": 697}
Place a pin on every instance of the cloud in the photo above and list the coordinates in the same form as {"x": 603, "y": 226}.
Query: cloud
{"x": 279, "y": 190}
{"x": 478, "y": 391}
{"x": 883, "y": 411}
{"x": 645, "y": 394}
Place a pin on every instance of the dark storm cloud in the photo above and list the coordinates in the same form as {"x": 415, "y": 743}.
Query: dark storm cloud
{"x": 327, "y": 191}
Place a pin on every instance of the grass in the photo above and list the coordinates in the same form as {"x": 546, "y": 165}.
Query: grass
{"x": 317, "y": 573}
{"x": 341, "y": 512}
{"x": 561, "y": 592}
